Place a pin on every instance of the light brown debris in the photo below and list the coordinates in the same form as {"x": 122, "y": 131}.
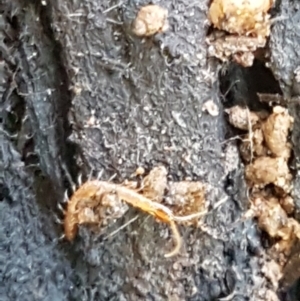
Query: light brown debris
{"x": 276, "y": 130}
{"x": 253, "y": 146}
{"x": 248, "y": 17}
{"x": 242, "y": 118}
{"x": 266, "y": 152}
{"x": 187, "y": 198}
{"x": 140, "y": 171}
{"x": 267, "y": 170}
{"x": 239, "y": 48}
{"x": 108, "y": 208}
{"x": 287, "y": 203}
{"x": 245, "y": 26}
{"x": 154, "y": 184}
{"x": 211, "y": 108}
{"x": 272, "y": 271}
{"x": 184, "y": 197}
{"x": 273, "y": 219}
{"x": 267, "y": 144}
{"x": 270, "y": 296}
{"x": 150, "y": 20}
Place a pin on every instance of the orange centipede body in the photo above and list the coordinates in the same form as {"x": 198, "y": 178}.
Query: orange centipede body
{"x": 92, "y": 193}
{"x": 86, "y": 193}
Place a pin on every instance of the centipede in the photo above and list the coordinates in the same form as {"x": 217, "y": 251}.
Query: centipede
{"x": 94, "y": 194}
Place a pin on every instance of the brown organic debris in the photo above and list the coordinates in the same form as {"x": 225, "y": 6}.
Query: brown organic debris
{"x": 243, "y": 27}
{"x": 273, "y": 219}
{"x": 253, "y": 146}
{"x": 187, "y": 198}
{"x": 265, "y": 148}
{"x": 276, "y": 222}
{"x": 276, "y": 130}
{"x": 211, "y": 108}
{"x": 154, "y": 184}
{"x": 150, "y": 20}
{"x": 266, "y": 170}
{"x": 273, "y": 272}
{"x": 240, "y": 48}
{"x": 249, "y": 17}
{"x": 266, "y": 151}
{"x": 287, "y": 203}
{"x": 242, "y": 118}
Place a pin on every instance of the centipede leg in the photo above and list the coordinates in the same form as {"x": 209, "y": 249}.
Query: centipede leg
{"x": 79, "y": 179}
{"x": 66, "y": 197}
{"x": 74, "y": 188}
{"x": 62, "y": 237}
{"x": 59, "y": 206}
{"x": 177, "y": 239}
{"x": 99, "y": 176}
{"x": 57, "y": 220}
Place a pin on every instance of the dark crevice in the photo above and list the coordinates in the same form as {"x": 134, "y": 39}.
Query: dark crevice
{"x": 240, "y": 85}
{"x": 25, "y": 117}
{"x": 61, "y": 101}
{"x": 63, "y": 104}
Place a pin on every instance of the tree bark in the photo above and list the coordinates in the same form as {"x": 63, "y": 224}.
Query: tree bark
{"x": 81, "y": 94}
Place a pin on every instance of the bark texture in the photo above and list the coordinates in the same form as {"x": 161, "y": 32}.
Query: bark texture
{"x": 81, "y": 94}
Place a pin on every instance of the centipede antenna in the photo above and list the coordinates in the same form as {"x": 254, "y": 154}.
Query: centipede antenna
{"x": 100, "y": 173}
{"x": 112, "y": 177}
{"x": 178, "y": 240}
{"x": 79, "y": 180}
{"x": 189, "y": 217}
{"x": 121, "y": 228}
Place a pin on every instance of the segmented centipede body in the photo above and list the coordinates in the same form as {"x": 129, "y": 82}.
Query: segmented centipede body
{"x": 87, "y": 194}
{"x": 70, "y": 225}
{"x": 93, "y": 191}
